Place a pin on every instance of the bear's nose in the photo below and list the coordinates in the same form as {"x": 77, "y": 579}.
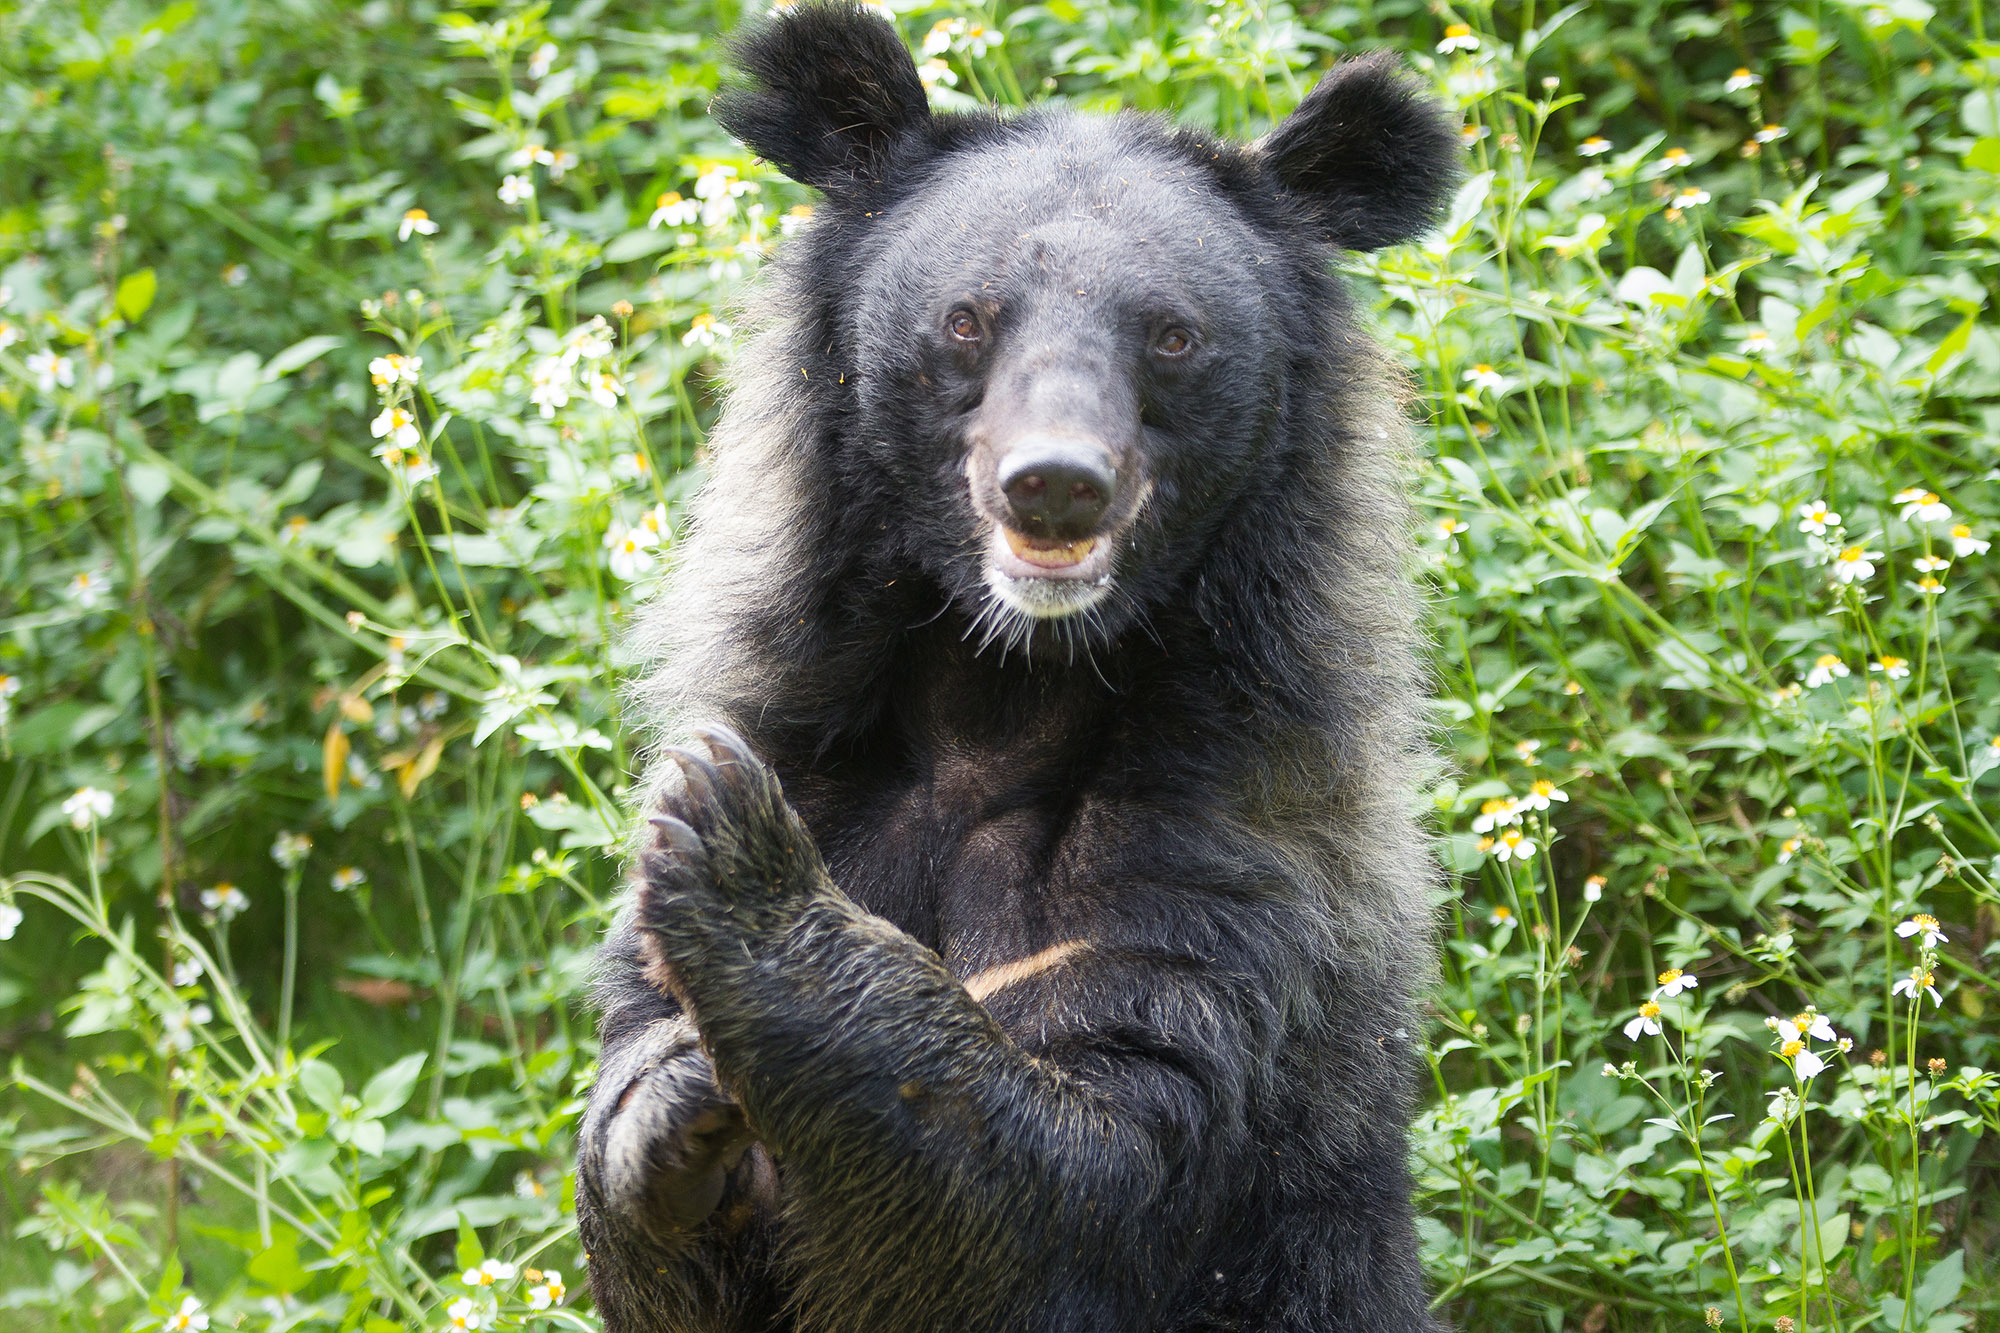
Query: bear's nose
{"x": 1057, "y": 488}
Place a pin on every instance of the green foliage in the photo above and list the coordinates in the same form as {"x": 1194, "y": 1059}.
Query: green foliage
{"x": 319, "y": 516}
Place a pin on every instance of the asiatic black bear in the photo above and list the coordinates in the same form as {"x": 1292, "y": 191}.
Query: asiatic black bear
{"x": 1055, "y": 559}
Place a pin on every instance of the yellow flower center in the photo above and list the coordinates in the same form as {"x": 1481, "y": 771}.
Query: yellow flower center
{"x": 417, "y": 215}
{"x": 1925, "y": 921}
{"x": 1670, "y": 976}
{"x": 1960, "y": 530}
{"x": 1649, "y": 1010}
{"x": 1503, "y": 913}
{"x": 1791, "y": 1048}
{"x": 670, "y": 198}
{"x": 1544, "y": 788}
{"x": 1458, "y": 30}
{"x": 1803, "y": 1022}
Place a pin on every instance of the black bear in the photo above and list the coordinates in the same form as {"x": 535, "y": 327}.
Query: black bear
{"x": 1054, "y": 557}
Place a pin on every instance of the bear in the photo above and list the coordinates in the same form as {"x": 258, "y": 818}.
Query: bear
{"x": 1029, "y": 925}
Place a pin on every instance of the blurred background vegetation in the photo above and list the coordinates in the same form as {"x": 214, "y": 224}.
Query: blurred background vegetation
{"x": 356, "y": 359}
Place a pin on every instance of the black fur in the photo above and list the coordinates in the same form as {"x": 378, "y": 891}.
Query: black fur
{"x": 1066, "y": 982}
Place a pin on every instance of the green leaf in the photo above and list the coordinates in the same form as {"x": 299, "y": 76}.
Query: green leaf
{"x": 278, "y": 1267}
{"x": 135, "y": 294}
{"x": 390, "y": 1088}
{"x": 1984, "y": 155}
{"x": 1941, "y": 1284}
{"x": 469, "y": 1251}
{"x": 1953, "y": 345}
{"x": 300, "y": 353}
{"x": 321, "y": 1084}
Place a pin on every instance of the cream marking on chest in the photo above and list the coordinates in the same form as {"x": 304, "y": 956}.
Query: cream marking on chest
{"x": 993, "y": 979}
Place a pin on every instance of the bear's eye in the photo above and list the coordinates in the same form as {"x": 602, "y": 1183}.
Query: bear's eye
{"x": 1175, "y": 341}
{"x": 964, "y": 326}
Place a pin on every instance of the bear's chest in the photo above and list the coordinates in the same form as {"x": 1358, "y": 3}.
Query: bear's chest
{"x": 972, "y": 854}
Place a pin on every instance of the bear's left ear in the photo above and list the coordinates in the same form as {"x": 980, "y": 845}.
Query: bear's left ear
{"x": 1370, "y": 152}
{"x": 832, "y": 87}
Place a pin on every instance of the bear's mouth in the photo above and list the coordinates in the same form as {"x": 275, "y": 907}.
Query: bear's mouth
{"x": 1048, "y": 555}
{"x": 1045, "y": 579}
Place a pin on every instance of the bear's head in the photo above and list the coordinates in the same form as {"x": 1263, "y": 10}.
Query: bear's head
{"x": 1068, "y": 346}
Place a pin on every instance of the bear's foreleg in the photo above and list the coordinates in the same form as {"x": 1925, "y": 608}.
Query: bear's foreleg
{"x": 674, "y": 1200}
{"x": 937, "y": 1176}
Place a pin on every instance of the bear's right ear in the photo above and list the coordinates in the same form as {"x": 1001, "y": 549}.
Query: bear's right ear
{"x": 1369, "y": 152}
{"x": 831, "y": 88}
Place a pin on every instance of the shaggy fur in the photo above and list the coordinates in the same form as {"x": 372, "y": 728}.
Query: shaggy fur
{"x": 1066, "y": 983}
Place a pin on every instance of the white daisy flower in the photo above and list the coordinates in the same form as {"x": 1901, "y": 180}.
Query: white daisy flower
{"x": 1501, "y": 915}
{"x": 1817, "y": 519}
{"x": 9, "y": 335}
{"x": 1689, "y": 198}
{"x": 1921, "y": 506}
{"x": 1483, "y": 376}
{"x": 1855, "y": 563}
{"x": 604, "y": 388}
{"x": 670, "y": 210}
{"x": 1592, "y": 185}
{"x": 178, "y": 1029}
{"x": 1593, "y": 888}
{"x": 549, "y": 385}
{"x": 631, "y": 552}
{"x": 935, "y": 73}
{"x": 550, "y": 1293}
{"x": 1496, "y": 813}
{"x": 1675, "y": 158}
{"x": 1741, "y": 81}
{"x": 1919, "y": 980}
{"x": 1931, "y": 564}
{"x": 11, "y": 918}
{"x": 589, "y": 342}
{"x": 1826, "y": 669}
{"x": 1755, "y": 343}
{"x": 796, "y": 217}
{"x": 463, "y": 1314}
{"x": 415, "y": 222}
{"x": 1770, "y": 134}
{"x": 395, "y": 368}
{"x": 188, "y": 1319}
{"x": 1541, "y": 793}
{"x": 1789, "y": 848}
{"x": 1513, "y": 845}
{"x": 1457, "y": 37}
{"x": 489, "y": 1272}
{"x": 1923, "y": 923}
{"x": 50, "y": 370}
{"x": 187, "y": 971}
{"x": 1929, "y": 585}
{"x": 704, "y": 331}
{"x": 1895, "y": 668}
{"x": 1804, "y": 1063}
{"x": 939, "y": 39}
{"x": 542, "y": 60}
{"x": 88, "y": 589}
{"x": 516, "y": 190}
{"x": 1963, "y": 543}
{"x": 397, "y": 427}
{"x": 1647, "y": 1022}
{"x": 89, "y": 805}
{"x": 290, "y": 850}
{"x": 1813, "y": 1024}
{"x": 1673, "y": 981}
{"x": 347, "y": 878}
{"x": 225, "y": 900}
{"x": 1595, "y": 146}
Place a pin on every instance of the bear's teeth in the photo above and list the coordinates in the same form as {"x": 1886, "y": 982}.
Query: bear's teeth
{"x": 1049, "y": 557}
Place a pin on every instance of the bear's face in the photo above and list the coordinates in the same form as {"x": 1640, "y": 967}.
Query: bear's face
{"x": 1069, "y": 337}
{"x": 1066, "y": 351}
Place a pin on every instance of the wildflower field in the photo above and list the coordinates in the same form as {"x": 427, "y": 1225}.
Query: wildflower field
{"x": 355, "y": 364}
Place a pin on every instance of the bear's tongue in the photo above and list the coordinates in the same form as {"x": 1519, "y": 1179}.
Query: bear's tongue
{"x": 1048, "y": 555}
